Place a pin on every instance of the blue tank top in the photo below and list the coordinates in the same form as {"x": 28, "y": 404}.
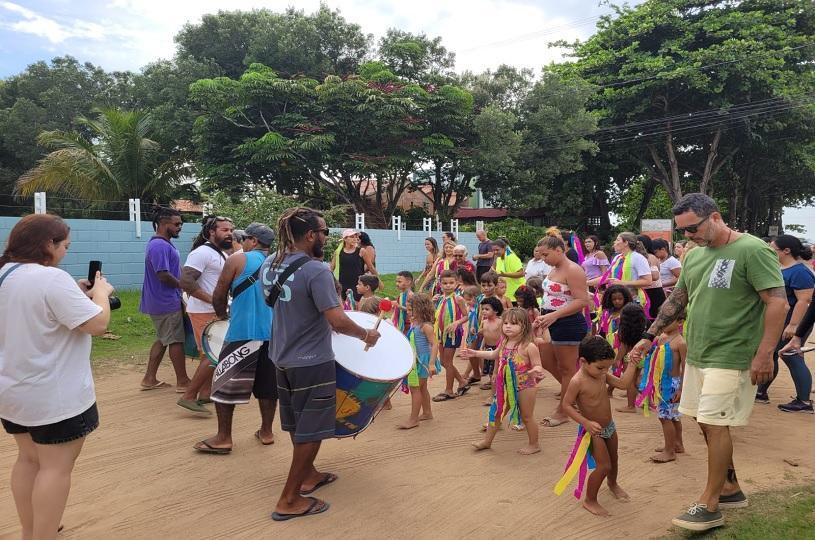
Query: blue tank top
{"x": 250, "y": 318}
{"x": 422, "y": 346}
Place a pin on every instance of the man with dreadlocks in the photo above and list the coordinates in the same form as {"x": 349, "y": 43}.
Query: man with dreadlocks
{"x": 161, "y": 298}
{"x": 305, "y": 312}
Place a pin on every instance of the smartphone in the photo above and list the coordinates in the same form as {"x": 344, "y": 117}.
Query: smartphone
{"x": 802, "y": 350}
{"x": 93, "y": 267}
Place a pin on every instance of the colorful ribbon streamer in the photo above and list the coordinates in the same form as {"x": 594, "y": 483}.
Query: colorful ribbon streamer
{"x": 579, "y": 463}
{"x": 655, "y": 383}
{"x": 505, "y": 401}
{"x": 400, "y": 320}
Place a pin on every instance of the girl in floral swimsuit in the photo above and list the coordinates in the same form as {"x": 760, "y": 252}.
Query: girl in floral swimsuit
{"x": 516, "y": 377}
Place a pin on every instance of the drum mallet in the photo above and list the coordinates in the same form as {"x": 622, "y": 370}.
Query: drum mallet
{"x": 385, "y": 307}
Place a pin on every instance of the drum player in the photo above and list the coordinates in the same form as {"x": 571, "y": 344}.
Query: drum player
{"x": 198, "y": 278}
{"x": 244, "y": 367}
{"x": 306, "y": 311}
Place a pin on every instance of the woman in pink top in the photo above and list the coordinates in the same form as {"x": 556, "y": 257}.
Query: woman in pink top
{"x": 565, "y": 296}
{"x": 595, "y": 262}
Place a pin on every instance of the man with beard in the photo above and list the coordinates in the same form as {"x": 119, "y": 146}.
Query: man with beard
{"x": 161, "y": 299}
{"x": 306, "y": 310}
{"x": 198, "y": 279}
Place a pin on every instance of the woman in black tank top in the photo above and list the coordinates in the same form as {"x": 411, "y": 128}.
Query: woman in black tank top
{"x": 351, "y": 267}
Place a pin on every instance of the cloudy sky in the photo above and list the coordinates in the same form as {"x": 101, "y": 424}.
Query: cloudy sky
{"x": 127, "y": 34}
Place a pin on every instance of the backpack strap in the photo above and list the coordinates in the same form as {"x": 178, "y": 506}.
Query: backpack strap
{"x": 277, "y": 288}
{"x": 9, "y": 271}
{"x": 246, "y": 283}
{"x": 221, "y": 253}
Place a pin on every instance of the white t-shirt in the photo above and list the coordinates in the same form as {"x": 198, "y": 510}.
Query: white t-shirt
{"x": 210, "y": 263}
{"x": 639, "y": 265}
{"x": 537, "y": 268}
{"x": 45, "y": 367}
{"x": 665, "y": 268}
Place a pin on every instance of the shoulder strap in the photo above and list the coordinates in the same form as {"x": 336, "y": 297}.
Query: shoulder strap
{"x": 221, "y": 253}
{"x": 248, "y": 282}
{"x": 9, "y": 271}
{"x": 277, "y": 288}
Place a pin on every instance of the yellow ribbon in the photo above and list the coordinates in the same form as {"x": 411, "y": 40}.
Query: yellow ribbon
{"x": 574, "y": 466}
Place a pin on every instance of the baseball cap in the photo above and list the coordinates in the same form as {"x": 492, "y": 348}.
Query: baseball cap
{"x": 349, "y": 232}
{"x": 261, "y": 233}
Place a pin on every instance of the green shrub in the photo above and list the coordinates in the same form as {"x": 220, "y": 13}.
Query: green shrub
{"x": 521, "y": 236}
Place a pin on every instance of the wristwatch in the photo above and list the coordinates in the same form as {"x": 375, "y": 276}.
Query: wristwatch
{"x": 648, "y": 336}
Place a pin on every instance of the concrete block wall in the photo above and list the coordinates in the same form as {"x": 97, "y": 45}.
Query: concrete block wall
{"x": 122, "y": 254}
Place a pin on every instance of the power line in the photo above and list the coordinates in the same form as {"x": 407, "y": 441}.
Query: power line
{"x": 532, "y": 35}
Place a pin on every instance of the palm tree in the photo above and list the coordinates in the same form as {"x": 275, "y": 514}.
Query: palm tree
{"x": 115, "y": 161}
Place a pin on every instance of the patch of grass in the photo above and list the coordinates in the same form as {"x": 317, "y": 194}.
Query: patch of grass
{"x": 136, "y": 329}
{"x": 774, "y": 515}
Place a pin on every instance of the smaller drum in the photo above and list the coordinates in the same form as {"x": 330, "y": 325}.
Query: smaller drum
{"x": 366, "y": 379}
{"x": 212, "y": 339}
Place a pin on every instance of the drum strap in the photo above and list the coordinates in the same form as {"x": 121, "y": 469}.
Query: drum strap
{"x": 9, "y": 271}
{"x": 246, "y": 283}
{"x": 277, "y": 288}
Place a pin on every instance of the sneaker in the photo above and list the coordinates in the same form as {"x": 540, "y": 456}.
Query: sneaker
{"x": 698, "y": 518}
{"x": 796, "y": 405}
{"x": 734, "y": 500}
{"x": 762, "y": 398}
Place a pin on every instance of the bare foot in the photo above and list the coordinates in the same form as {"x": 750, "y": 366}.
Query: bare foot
{"x": 410, "y": 424}
{"x": 387, "y": 405}
{"x": 679, "y": 449}
{"x": 481, "y": 445}
{"x": 518, "y": 427}
{"x": 485, "y": 425}
{"x": 618, "y": 493}
{"x": 626, "y": 409}
{"x": 595, "y": 508}
{"x": 663, "y": 457}
{"x": 424, "y": 417}
{"x": 265, "y": 438}
{"x": 528, "y": 450}
{"x": 488, "y": 403}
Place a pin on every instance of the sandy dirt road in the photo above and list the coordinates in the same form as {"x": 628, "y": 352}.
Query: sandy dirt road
{"x": 138, "y": 476}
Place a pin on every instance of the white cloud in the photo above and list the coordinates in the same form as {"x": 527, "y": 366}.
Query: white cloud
{"x": 482, "y": 33}
{"x": 53, "y": 31}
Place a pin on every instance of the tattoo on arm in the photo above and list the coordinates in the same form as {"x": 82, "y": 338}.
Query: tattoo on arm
{"x": 775, "y": 292}
{"x": 670, "y": 311}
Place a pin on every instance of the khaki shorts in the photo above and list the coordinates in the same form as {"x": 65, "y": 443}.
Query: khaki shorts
{"x": 169, "y": 327}
{"x": 718, "y": 397}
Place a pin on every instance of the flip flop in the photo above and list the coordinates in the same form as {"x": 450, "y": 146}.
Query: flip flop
{"x": 310, "y": 511}
{"x": 552, "y": 422}
{"x": 462, "y": 390}
{"x": 328, "y": 478}
{"x": 257, "y": 436}
{"x": 209, "y": 449}
{"x": 486, "y": 386}
{"x": 473, "y": 380}
{"x": 159, "y": 384}
{"x": 193, "y": 406}
{"x": 444, "y": 397}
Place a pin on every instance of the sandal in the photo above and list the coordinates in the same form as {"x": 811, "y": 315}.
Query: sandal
{"x": 316, "y": 507}
{"x": 462, "y": 390}
{"x": 444, "y": 397}
{"x": 328, "y": 478}
{"x": 486, "y": 386}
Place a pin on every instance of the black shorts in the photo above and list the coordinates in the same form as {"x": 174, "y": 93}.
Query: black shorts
{"x": 568, "y": 330}
{"x": 265, "y": 385}
{"x": 657, "y": 298}
{"x": 60, "y": 432}
{"x": 307, "y": 400}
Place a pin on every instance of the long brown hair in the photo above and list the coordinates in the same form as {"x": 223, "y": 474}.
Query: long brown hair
{"x": 28, "y": 241}
{"x": 519, "y": 316}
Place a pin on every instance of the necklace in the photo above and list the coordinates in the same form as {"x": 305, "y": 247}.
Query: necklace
{"x": 729, "y": 232}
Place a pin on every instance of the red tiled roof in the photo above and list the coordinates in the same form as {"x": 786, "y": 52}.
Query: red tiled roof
{"x": 487, "y": 213}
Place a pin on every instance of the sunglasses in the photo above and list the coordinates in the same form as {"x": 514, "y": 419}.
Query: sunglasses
{"x": 691, "y": 228}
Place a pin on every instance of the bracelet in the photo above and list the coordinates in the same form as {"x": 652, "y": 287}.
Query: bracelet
{"x": 367, "y": 333}
{"x": 648, "y": 336}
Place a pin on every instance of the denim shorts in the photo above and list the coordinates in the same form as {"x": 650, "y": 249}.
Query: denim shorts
{"x": 569, "y": 330}
{"x": 60, "y": 432}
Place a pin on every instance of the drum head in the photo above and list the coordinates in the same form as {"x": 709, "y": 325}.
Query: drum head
{"x": 212, "y": 340}
{"x": 390, "y": 359}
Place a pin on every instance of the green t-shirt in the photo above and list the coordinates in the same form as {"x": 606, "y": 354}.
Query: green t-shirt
{"x": 725, "y": 318}
{"x": 510, "y": 264}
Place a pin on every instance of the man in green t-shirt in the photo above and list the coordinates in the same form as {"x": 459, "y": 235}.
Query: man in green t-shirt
{"x": 509, "y": 267}
{"x": 732, "y": 289}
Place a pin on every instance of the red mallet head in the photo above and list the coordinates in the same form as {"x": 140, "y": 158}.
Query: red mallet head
{"x": 385, "y": 305}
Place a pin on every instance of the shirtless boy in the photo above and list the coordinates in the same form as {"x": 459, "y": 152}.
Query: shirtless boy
{"x": 588, "y": 389}
{"x": 490, "y": 333}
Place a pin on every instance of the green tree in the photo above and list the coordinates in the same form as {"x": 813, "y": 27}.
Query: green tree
{"x": 117, "y": 161}
{"x": 415, "y": 57}
{"x": 683, "y": 81}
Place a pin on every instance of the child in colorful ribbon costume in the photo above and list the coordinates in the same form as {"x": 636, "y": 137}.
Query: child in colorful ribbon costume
{"x": 404, "y": 284}
{"x": 425, "y": 347}
{"x": 472, "y": 300}
{"x": 451, "y": 314}
{"x": 614, "y": 299}
{"x": 661, "y": 387}
{"x": 632, "y": 324}
{"x": 519, "y": 370}
{"x": 597, "y": 434}
{"x": 629, "y": 268}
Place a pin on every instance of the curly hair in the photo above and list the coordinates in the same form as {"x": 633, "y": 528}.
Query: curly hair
{"x": 421, "y": 306}
{"x": 525, "y": 297}
{"x": 607, "y": 304}
{"x": 632, "y": 324}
